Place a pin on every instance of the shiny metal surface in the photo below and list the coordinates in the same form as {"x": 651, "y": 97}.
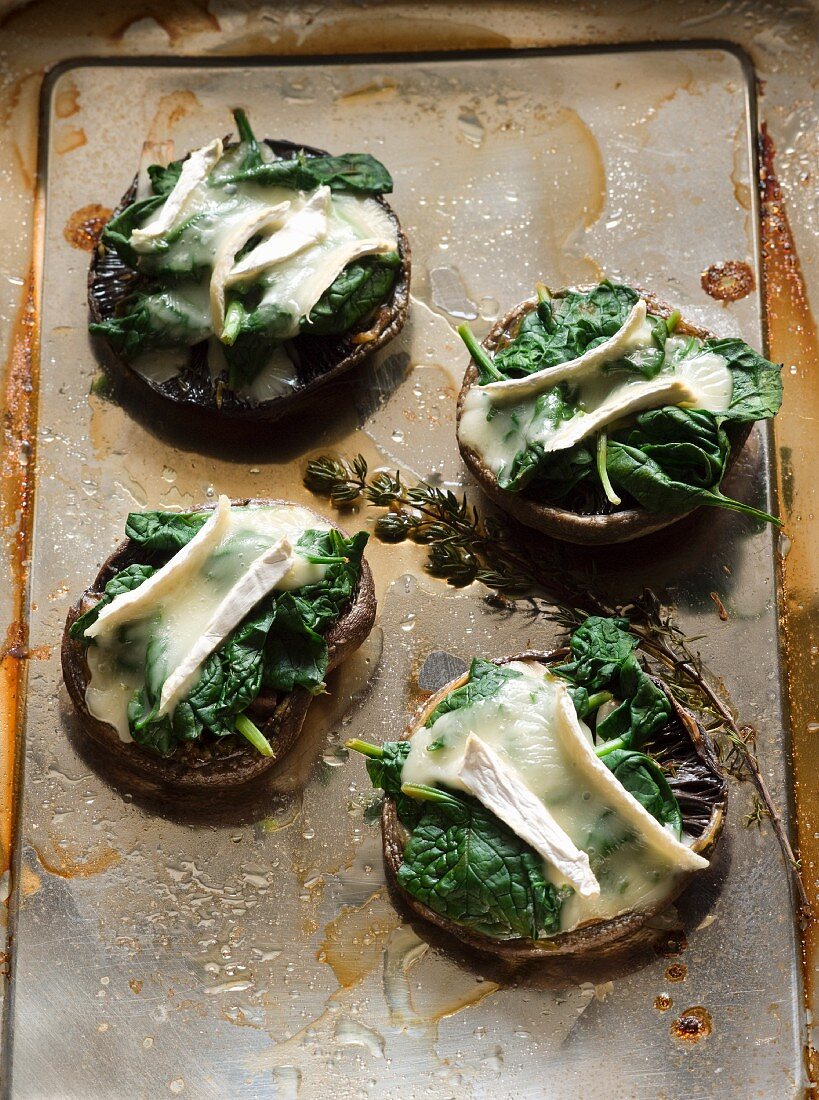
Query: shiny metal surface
{"x": 258, "y": 954}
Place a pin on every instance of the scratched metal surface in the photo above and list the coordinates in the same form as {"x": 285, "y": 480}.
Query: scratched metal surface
{"x": 257, "y": 953}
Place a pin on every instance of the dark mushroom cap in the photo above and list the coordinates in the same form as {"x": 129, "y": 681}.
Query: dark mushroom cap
{"x": 700, "y": 789}
{"x": 220, "y": 763}
{"x": 562, "y": 523}
{"x": 191, "y": 394}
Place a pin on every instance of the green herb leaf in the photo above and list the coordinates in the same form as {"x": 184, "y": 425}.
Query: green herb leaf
{"x": 757, "y": 392}
{"x": 160, "y": 532}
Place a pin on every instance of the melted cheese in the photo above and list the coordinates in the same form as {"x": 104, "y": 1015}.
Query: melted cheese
{"x": 231, "y": 242}
{"x": 632, "y": 334}
{"x": 532, "y": 726}
{"x": 183, "y": 608}
{"x": 194, "y": 171}
{"x": 499, "y": 420}
{"x": 306, "y": 226}
{"x": 500, "y": 788}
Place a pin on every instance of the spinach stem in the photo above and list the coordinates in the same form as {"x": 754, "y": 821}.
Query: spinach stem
{"x": 254, "y": 735}
{"x": 672, "y": 320}
{"x": 610, "y": 746}
{"x": 602, "y": 472}
{"x": 426, "y": 794}
{"x": 596, "y": 701}
{"x": 325, "y": 559}
{"x": 233, "y": 323}
{"x": 243, "y": 126}
{"x": 479, "y": 354}
{"x": 544, "y": 307}
{"x": 374, "y": 752}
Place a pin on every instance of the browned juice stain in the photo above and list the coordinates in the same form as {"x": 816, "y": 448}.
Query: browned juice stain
{"x": 676, "y": 972}
{"x": 793, "y": 341}
{"x": 67, "y": 100}
{"x": 19, "y": 384}
{"x": 663, "y": 1002}
{"x": 68, "y": 139}
{"x": 73, "y": 863}
{"x": 84, "y": 228}
{"x": 693, "y": 1024}
{"x": 354, "y": 941}
{"x": 136, "y": 985}
{"x": 728, "y": 281}
{"x": 30, "y": 882}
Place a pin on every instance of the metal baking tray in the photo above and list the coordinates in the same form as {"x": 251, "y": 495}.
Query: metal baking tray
{"x": 254, "y": 951}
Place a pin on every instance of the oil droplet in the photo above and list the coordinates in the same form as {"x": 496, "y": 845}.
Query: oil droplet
{"x": 471, "y": 127}
{"x": 288, "y": 1082}
{"x": 813, "y": 727}
{"x": 663, "y": 1002}
{"x": 408, "y": 622}
{"x": 147, "y": 1042}
{"x": 177, "y": 1086}
{"x": 693, "y": 1024}
{"x": 450, "y": 294}
{"x": 398, "y": 436}
{"x": 488, "y": 309}
{"x": 676, "y": 972}
{"x": 352, "y": 1033}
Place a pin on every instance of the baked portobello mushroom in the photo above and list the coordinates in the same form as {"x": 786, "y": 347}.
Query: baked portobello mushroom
{"x": 231, "y": 284}
{"x": 194, "y": 656}
{"x": 544, "y": 806}
{"x": 598, "y": 415}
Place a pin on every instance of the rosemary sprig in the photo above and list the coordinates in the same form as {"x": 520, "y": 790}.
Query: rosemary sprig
{"x": 464, "y": 546}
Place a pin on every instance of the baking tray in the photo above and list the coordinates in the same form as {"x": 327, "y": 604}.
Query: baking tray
{"x": 257, "y": 953}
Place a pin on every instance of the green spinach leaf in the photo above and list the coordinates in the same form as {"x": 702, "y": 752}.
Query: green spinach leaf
{"x": 162, "y": 532}
{"x": 359, "y": 173}
{"x": 757, "y": 392}
{"x": 164, "y": 319}
{"x": 645, "y": 780}
{"x": 485, "y": 680}
{"x": 360, "y": 288}
{"x": 464, "y": 864}
{"x": 599, "y": 648}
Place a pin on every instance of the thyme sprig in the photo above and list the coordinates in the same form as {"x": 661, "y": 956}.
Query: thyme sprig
{"x": 462, "y": 545}
{"x": 465, "y": 546}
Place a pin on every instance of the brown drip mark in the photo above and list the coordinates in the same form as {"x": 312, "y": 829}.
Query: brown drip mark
{"x": 16, "y": 486}
{"x": 84, "y": 228}
{"x": 794, "y": 341}
{"x": 728, "y": 281}
{"x": 65, "y": 866}
{"x": 676, "y": 972}
{"x": 693, "y": 1024}
{"x": 663, "y": 1002}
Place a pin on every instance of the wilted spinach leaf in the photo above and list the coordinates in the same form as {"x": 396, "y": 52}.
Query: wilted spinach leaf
{"x": 645, "y": 780}
{"x": 466, "y": 865}
{"x": 485, "y": 680}
{"x": 757, "y": 392}
{"x": 160, "y": 532}
{"x": 359, "y": 173}
{"x": 360, "y": 288}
